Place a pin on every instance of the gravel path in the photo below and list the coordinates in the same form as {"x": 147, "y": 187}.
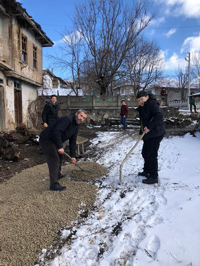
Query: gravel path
{"x": 31, "y": 214}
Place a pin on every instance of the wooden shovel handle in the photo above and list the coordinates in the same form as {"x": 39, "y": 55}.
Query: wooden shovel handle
{"x": 120, "y": 174}
{"x": 75, "y": 163}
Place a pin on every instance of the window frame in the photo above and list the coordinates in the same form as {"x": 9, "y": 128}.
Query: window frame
{"x": 24, "y": 49}
{"x": 35, "y": 56}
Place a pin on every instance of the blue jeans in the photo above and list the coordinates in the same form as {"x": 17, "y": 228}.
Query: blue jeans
{"x": 123, "y": 121}
{"x": 192, "y": 104}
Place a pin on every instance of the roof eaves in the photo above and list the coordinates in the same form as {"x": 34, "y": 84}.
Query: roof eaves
{"x": 22, "y": 14}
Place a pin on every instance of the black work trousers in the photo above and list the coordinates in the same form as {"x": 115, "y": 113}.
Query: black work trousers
{"x": 150, "y": 155}
{"x": 195, "y": 108}
{"x": 54, "y": 160}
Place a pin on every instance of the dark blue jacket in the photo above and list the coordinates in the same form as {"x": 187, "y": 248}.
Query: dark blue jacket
{"x": 50, "y": 112}
{"x": 61, "y": 130}
{"x": 151, "y": 116}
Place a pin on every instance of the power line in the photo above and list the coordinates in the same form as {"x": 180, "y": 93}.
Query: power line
{"x": 160, "y": 28}
{"x": 51, "y": 25}
{"x": 178, "y": 27}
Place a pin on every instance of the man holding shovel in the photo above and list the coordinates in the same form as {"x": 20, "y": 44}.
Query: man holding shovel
{"x": 151, "y": 120}
{"x": 51, "y": 142}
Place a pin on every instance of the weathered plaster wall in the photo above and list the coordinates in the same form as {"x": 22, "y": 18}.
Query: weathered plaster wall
{"x": 2, "y": 102}
{"x": 1, "y": 37}
{"x": 4, "y": 40}
{"x": 21, "y": 67}
{"x": 47, "y": 82}
{"x": 29, "y": 94}
{"x": 9, "y": 106}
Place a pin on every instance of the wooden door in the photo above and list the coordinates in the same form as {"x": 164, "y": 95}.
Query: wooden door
{"x": 18, "y": 106}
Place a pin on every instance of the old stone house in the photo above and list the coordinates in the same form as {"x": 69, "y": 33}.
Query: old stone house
{"x": 21, "y": 43}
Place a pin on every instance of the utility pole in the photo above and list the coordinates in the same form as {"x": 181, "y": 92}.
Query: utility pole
{"x": 188, "y": 60}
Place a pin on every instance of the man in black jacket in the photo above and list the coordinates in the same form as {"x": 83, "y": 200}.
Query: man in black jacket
{"x": 51, "y": 142}
{"x": 151, "y": 120}
{"x": 50, "y": 111}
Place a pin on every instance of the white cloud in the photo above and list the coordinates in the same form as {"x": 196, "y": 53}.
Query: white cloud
{"x": 157, "y": 21}
{"x": 173, "y": 62}
{"x": 55, "y": 43}
{"x": 71, "y": 38}
{"x": 170, "y": 32}
{"x": 191, "y": 43}
{"x": 187, "y": 8}
{"x": 173, "y": 2}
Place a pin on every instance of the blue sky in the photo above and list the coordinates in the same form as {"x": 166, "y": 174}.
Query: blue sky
{"x": 176, "y": 27}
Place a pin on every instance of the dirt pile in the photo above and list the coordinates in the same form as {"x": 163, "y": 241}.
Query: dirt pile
{"x": 91, "y": 171}
{"x": 31, "y": 214}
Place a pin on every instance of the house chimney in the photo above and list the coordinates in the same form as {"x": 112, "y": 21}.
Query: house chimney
{"x": 52, "y": 70}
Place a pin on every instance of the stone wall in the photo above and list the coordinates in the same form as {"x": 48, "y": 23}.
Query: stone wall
{"x": 98, "y": 115}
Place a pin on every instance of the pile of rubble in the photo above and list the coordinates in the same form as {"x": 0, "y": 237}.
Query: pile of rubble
{"x": 182, "y": 121}
{"x": 10, "y": 141}
{"x": 7, "y": 147}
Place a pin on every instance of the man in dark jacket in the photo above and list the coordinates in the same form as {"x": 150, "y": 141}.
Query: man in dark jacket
{"x": 51, "y": 142}
{"x": 151, "y": 119}
{"x": 192, "y": 103}
{"x": 50, "y": 111}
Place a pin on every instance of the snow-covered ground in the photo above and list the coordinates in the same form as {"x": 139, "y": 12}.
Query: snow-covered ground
{"x": 135, "y": 224}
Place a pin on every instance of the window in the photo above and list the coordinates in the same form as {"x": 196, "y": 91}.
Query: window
{"x": 24, "y": 49}
{"x": 17, "y": 85}
{"x": 35, "y": 57}
{"x": 122, "y": 91}
{"x": 55, "y": 83}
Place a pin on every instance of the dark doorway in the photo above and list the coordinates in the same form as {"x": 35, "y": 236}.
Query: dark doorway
{"x": 18, "y": 103}
{"x": 2, "y": 114}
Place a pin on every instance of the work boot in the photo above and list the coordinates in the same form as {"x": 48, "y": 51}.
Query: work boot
{"x": 150, "y": 180}
{"x": 143, "y": 174}
{"x": 57, "y": 187}
{"x": 61, "y": 176}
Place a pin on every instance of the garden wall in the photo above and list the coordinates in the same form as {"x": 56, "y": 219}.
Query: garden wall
{"x": 99, "y": 109}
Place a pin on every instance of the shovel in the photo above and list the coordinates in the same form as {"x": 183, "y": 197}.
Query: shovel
{"x": 75, "y": 163}
{"x": 120, "y": 173}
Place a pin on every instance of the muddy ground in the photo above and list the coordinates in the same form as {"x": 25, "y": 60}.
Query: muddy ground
{"x": 30, "y": 154}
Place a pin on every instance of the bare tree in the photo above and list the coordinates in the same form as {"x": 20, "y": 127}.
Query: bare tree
{"x": 71, "y": 59}
{"x": 110, "y": 29}
{"x": 182, "y": 82}
{"x": 195, "y": 68}
{"x": 143, "y": 65}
